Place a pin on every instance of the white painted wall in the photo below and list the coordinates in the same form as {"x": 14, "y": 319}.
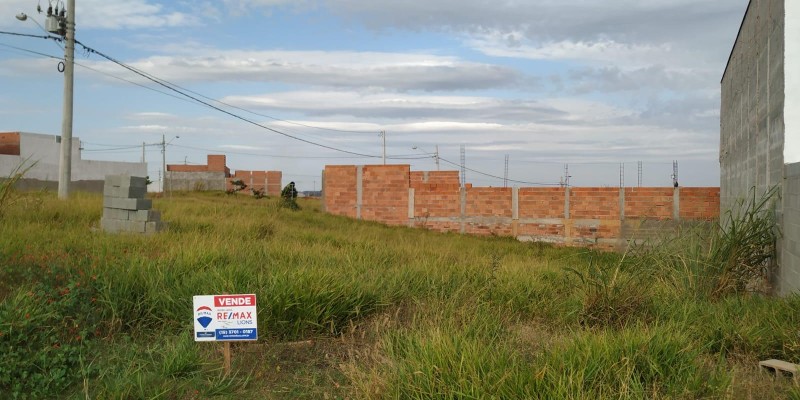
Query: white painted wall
{"x": 791, "y": 111}
{"x": 46, "y": 153}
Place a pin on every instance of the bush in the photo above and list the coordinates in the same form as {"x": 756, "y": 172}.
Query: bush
{"x": 731, "y": 257}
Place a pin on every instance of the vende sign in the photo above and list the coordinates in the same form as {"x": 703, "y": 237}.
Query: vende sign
{"x": 235, "y": 301}
{"x": 226, "y": 317}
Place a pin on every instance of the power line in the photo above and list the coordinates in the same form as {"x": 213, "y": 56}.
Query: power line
{"x": 56, "y": 38}
{"x": 281, "y": 155}
{"x": 176, "y": 88}
{"x": 498, "y": 177}
{"x": 239, "y": 117}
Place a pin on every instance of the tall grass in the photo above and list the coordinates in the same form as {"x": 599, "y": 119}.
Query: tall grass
{"x": 733, "y": 256}
{"x": 427, "y": 315}
{"x": 7, "y": 184}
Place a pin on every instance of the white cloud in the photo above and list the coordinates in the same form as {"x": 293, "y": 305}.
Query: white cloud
{"x": 395, "y": 71}
{"x": 605, "y": 50}
{"x": 110, "y": 14}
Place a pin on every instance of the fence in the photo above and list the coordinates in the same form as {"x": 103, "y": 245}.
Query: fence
{"x": 601, "y": 217}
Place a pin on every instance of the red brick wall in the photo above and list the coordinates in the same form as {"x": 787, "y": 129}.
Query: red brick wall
{"x": 186, "y": 168}
{"x": 437, "y": 200}
{"x": 699, "y": 203}
{"x": 489, "y": 202}
{"x": 541, "y": 202}
{"x": 648, "y": 203}
{"x": 385, "y": 193}
{"x": 435, "y": 177}
{"x": 444, "y": 177}
{"x": 340, "y": 190}
{"x": 541, "y": 229}
{"x": 9, "y": 143}
{"x": 594, "y": 203}
{"x": 216, "y": 163}
{"x": 274, "y": 184}
{"x": 595, "y": 218}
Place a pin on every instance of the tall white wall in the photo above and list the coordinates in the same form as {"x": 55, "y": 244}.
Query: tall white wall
{"x": 791, "y": 151}
{"x": 45, "y": 151}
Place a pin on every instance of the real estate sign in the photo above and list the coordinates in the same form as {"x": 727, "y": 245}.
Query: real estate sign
{"x": 227, "y": 317}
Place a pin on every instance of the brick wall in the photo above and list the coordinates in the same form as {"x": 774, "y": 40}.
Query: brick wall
{"x": 187, "y": 168}
{"x": 541, "y": 202}
{"x": 650, "y": 203}
{"x": 385, "y": 193}
{"x": 9, "y": 143}
{"x": 436, "y": 200}
{"x": 217, "y": 163}
{"x": 270, "y": 181}
{"x": 341, "y": 190}
{"x": 594, "y": 203}
{"x": 439, "y": 177}
{"x": 596, "y": 217}
{"x": 274, "y": 184}
{"x": 699, "y": 203}
{"x": 217, "y": 176}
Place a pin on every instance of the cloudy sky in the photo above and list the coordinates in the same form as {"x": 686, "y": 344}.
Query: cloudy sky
{"x": 546, "y": 83}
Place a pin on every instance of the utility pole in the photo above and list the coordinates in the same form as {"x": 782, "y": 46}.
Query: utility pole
{"x": 622, "y": 175}
{"x": 437, "y": 157}
{"x": 143, "y": 152}
{"x": 65, "y": 164}
{"x": 383, "y": 134}
{"x": 163, "y": 164}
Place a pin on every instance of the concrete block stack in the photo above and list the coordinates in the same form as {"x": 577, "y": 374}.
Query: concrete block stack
{"x": 124, "y": 207}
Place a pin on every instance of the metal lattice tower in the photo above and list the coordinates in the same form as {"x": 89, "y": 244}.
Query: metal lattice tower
{"x": 675, "y": 173}
{"x": 639, "y": 165}
{"x": 463, "y": 166}
{"x": 505, "y": 177}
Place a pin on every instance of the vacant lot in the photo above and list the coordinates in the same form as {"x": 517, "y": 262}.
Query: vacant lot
{"x": 350, "y": 309}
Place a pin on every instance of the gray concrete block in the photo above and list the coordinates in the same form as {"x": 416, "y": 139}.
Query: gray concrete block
{"x": 115, "y": 213}
{"x": 110, "y": 225}
{"x": 153, "y": 227}
{"x": 118, "y": 226}
{"x": 126, "y": 181}
{"x": 127, "y": 204}
{"x": 146, "y": 215}
{"x": 125, "y": 191}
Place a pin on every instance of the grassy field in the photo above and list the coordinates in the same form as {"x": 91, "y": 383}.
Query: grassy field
{"x": 358, "y": 310}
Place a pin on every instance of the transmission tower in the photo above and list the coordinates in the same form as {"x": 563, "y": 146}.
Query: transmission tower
{"x": 505, "y": 177}
{"x": 675, "y": 173}
{"x": 639, "y": 165}
{"x": 463, "y": 166}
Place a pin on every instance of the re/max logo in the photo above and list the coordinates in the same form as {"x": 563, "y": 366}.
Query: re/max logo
{"x": 234, "y": 315}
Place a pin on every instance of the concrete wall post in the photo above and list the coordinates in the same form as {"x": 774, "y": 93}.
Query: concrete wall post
{"x": 411, "y": 207}
{"x": 463, "y": 198}
{"x": 359, "y": 189}
{"x": 514, "y": 210}
{"x": 322, "y": 195}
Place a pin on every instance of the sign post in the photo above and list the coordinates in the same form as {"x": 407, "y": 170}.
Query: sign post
{"x": 225, "y": 318}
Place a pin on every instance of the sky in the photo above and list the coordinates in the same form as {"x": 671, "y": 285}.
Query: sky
{"x": 588, "y": 89}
